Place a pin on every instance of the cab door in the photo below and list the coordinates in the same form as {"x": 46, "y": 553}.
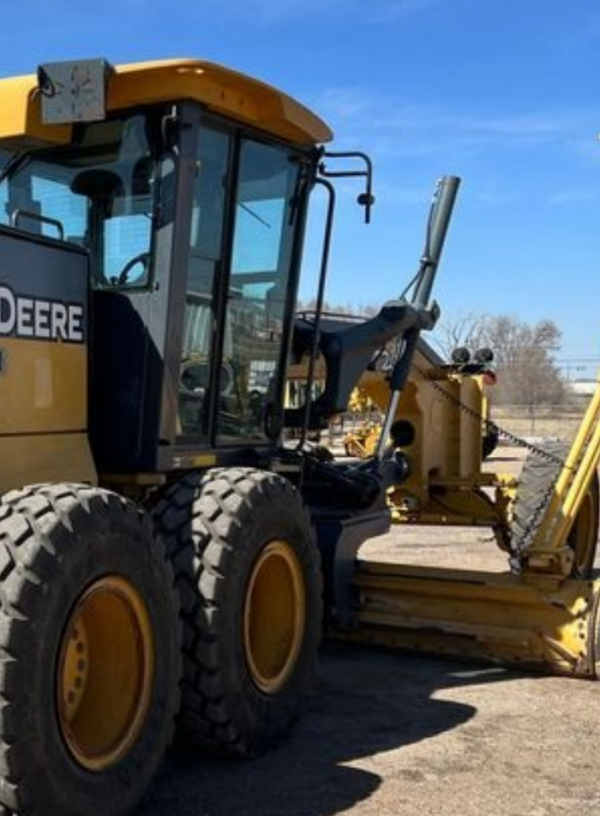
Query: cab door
{"x": 259, "y": 294}
{"x": 241, "y": 282}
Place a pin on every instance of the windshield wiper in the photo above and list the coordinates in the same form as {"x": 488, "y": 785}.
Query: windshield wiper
{"x": 254, "y": 214}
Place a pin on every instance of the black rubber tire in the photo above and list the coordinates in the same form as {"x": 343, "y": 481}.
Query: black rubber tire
{"x": 538, "y": 475}
{"x": 57, "y": 545}
{"x": 216, "y": 527}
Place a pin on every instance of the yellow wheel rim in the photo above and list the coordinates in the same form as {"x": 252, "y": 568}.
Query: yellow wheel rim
{"x": 274, "y": 616}
{"x": 583, "y": 535}
{"x": 105, "y": 673}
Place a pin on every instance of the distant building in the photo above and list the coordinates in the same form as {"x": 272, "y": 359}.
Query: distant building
{"x": 582, "y": 388}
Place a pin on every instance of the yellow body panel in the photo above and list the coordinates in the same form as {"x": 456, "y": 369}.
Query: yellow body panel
{"x": 44, "y": 386}
{"x": 21, "y": 115}
{"x": 448, "y": 437}
{"x": 54, "y": 457}
{"x": 446, "y": 484}
{"x": 222, "y": 90}
{"x": 43, "y": 422}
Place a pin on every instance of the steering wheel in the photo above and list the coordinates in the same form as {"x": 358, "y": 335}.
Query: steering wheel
{"x": 123, "y": 277}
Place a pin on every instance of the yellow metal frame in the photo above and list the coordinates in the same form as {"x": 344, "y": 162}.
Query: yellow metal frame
{"x": 550, "y": 625}
{"x": 446, "y": 484}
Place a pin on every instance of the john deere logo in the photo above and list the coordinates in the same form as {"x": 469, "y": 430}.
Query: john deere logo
{"x": 40, "y": 319}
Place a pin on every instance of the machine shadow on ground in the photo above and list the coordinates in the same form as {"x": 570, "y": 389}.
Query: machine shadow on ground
{"x": 367, "y": 702}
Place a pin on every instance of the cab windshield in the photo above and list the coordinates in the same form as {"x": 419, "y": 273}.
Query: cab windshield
{"x": 97, "y": 193}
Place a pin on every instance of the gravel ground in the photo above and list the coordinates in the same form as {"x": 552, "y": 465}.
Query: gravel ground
{"x": 395, "y": 734}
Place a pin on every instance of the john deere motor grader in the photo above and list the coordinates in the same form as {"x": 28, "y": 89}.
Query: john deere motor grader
{"x": 166, "y": 560}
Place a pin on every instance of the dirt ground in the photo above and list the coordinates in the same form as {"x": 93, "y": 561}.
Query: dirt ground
{"x": 395, "y": 734}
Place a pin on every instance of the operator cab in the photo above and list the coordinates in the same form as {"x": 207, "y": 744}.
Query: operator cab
{"x": 193, "y": 223}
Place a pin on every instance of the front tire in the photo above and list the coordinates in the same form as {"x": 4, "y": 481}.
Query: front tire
{"x": 533, "y": 494}
{"x": 248, "y": 574}
{"x": 90, "y": 642}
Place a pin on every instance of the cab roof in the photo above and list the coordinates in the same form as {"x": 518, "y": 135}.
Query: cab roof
{"x": 227, "y": 92}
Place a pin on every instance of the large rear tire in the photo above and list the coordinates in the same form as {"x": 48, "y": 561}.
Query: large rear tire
{"x": 248, "y": 574}
{"x": 536, "y": 480}
{"x": 89, "y": 632}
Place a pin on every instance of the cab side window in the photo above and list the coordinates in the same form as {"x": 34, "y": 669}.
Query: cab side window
{"x": 206, "y": 241}
{"x": 258, "y": 290}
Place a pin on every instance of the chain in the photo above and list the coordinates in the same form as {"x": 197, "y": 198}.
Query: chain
{"x": 487, "y": 423}
{"x": 529, "y": 531}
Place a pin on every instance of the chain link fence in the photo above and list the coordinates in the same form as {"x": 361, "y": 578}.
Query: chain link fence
{"x": 539, "y": 421}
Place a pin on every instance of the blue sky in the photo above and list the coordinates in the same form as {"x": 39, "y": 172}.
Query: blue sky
{"x": 503, "y": 94}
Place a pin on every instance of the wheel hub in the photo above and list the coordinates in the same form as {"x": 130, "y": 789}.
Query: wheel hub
{"x": 274, "y": 616}
{"x": 105, "y": 673}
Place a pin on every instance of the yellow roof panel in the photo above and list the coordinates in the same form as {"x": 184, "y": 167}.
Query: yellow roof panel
{"x": 220, "y": 89}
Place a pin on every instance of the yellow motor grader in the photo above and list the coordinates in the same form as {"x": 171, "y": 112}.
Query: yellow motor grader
{"x": 168, "y": 557}
{"x": 543, "y": 611}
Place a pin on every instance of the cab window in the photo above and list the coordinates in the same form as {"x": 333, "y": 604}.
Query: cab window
{"x": 97, "y": 194}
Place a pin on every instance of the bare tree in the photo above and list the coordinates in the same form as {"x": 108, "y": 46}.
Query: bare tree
{"x": 465, "y": 331}
{"x": 524, "y": 355}
{"x": 528, "y": 373}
